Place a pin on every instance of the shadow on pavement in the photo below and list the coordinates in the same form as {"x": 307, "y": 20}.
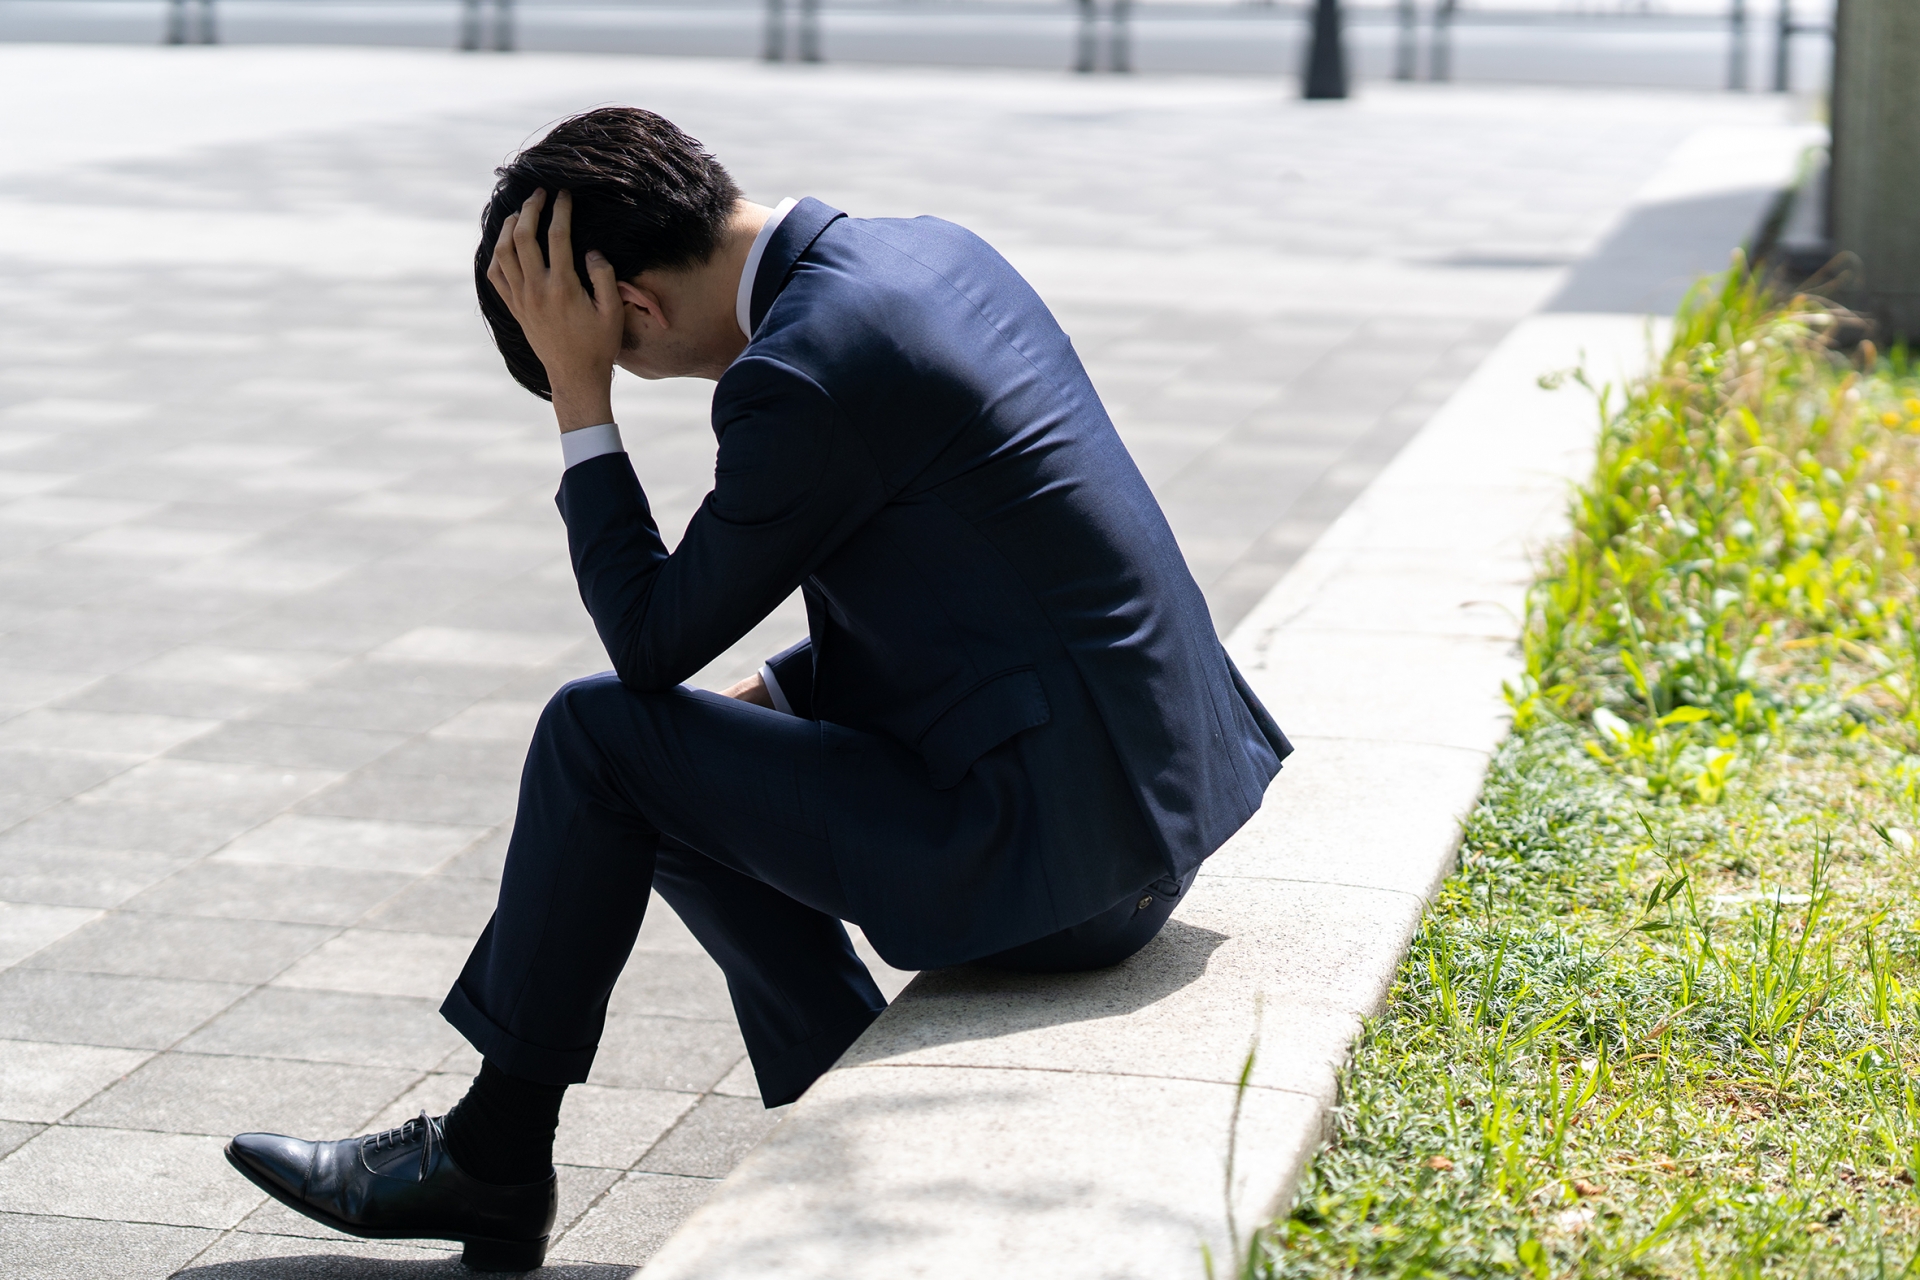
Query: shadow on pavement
{"x": 323, "y": 1266}
{"x": 952, "y": 1006}
{"x": 1656, "y": 253}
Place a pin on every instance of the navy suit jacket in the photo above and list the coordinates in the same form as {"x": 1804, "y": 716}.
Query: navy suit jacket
{"x": 910, "y": 439}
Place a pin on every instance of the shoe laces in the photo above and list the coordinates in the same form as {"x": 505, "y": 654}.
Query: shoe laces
{"x": 423, "y": 1128}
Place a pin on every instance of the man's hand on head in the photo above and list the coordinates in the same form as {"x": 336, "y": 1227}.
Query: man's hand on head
{"x": 576, "y": 334}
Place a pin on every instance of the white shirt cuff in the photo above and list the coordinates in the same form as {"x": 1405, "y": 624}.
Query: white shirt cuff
{"x": 590, "y": 442}
{"x": 772, "y": 682}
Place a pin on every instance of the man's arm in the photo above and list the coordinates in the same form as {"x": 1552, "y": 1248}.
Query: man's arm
{"x": 790, "y": 483}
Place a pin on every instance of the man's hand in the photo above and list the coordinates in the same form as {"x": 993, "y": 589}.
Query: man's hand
{"x": 576, "y": 334}
{"x": 753, "y": 689}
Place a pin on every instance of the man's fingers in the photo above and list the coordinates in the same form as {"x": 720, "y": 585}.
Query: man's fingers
{"x": 506, "y": 258}
{"x": 498, "y": 279}
{"x": 606, "y": 285}
{"x": 560, "y": 238}
{"x": 525, "y": 241}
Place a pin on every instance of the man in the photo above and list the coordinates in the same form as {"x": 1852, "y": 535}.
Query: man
{"x": 1010, "y": 739}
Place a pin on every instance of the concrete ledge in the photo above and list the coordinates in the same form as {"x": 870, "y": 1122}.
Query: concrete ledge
{"x": 995, "y": 1125}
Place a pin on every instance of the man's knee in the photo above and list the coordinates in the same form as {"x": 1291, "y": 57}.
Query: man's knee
{"x": 575, "y": 707}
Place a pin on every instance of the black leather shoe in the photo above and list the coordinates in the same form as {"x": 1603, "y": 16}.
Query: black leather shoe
{"x": 402, "y": 1185}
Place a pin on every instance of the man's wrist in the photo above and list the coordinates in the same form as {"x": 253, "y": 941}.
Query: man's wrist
{"x": 575, "y": 406}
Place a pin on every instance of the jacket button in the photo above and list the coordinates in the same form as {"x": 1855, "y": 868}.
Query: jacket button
{"x": 1144, "y": 903}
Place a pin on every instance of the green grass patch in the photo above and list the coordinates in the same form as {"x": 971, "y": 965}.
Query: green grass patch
{"x": 1665, "y": 1019}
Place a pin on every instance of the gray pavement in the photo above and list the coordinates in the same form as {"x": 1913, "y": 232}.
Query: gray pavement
{"x": 282, "y": 588}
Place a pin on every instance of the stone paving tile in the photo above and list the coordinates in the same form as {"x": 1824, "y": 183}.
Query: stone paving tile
{"x": 272, "y": 891}
{"x": 382, "y": 963}
{"x": 445, "y": 904}
{"x": 711, "y": 1138}
{"x": 222, "y": 1096}
{"x": 101, "y": 1009}
{"x": 634, "y": 1219}
{"x": 15, "y": 1132}
{"x": 672, "y": 984}
{"x": 126, "y": 1175}
{"x": 42, "y": 1082}
{"x": 682, "y": 1054}
{"x": 33, "y": 870}
{"x": 329, "y": 1026}
{"x": 155, "y": 946}
{"x": 294, "y": 746}
{"x": 90, "y": 1249}
{"x": 352, "y": 843}
{"x": 27, "y": 928}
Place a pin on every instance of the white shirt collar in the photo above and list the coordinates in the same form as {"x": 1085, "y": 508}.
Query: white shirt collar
{"x": 743, "y": 300}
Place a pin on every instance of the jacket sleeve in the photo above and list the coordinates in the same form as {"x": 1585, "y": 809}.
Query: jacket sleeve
{"x": 791, "y": 482}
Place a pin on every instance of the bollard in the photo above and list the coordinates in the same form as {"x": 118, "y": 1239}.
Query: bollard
{"x": 1440, "y": 47}
{"x": 1326, "y": 71}
{"x": 1406, "y": 48}
{"x": 810, "y": 30}
{"x": 1737, "y": 54}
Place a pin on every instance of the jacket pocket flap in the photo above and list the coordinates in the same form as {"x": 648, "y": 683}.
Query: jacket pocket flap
{"x": 980, "y": 721}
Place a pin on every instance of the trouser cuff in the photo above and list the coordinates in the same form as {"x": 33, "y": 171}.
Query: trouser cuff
{"x": 507, "y": 1051}
{"x": 786, "y": 1075}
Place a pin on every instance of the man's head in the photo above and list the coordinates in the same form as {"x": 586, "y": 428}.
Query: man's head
{"x": 644, "y": 194}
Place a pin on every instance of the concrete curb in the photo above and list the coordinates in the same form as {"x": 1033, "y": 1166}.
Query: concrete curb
{"x": 991, "y": 1125}
{"x": 999, "y": 1125}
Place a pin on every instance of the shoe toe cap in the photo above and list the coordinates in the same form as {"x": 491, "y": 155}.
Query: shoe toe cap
{"x": 285, "y": 1162}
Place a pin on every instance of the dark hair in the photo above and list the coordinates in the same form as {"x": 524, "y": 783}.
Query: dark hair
{"x": 644, "y": 194}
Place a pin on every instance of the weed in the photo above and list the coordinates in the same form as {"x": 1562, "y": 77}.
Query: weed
{"x": 1663, "y": 1020}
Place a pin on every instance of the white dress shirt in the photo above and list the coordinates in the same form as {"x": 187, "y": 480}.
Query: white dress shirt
{"x": 590, "y": 442}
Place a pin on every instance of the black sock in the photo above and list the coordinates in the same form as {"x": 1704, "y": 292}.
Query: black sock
{"x": 502, "y": 1131}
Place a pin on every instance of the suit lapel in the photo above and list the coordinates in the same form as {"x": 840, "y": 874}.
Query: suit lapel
{"x": 793, "y": 237}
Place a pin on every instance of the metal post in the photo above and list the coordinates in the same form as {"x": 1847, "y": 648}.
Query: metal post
{"x": 176, "y": 22}
{"x": 1406, "y": 50}
{"x": 1326, "y": 73}
{"x": 776, "y": 46}
{"x": 469, "y": 25}
{"x": 503, "y": 26}
{"x": 1875, "y": 179}
{"x": 1783, "y": 48}
{"x": 1440, "y": 47}
{"x": 1737, "y": 55}
{"x": 1120, "y": 36}
{"x": 1084, "y": 58}
{"x": 204, "y": 32}
{"x": 810, "y": 30}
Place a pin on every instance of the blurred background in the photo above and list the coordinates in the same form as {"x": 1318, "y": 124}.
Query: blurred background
{"x": 1693, "y": 44}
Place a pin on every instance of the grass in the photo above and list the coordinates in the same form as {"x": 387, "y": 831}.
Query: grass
{"x": 1665, "y": 1019}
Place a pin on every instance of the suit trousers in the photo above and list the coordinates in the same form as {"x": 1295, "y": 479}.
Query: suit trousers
{"x": 719, "y": 806}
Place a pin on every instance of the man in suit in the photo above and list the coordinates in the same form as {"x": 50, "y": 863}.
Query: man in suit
{"x": 1010, "y": 739}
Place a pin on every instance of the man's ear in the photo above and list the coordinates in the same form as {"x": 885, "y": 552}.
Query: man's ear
{"x": 638, "y": 297}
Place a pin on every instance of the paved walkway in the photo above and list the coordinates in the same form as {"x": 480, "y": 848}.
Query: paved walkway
{"x": 282, "y": 588}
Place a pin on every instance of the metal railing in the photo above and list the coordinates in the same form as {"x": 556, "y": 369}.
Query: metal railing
{"x": 1104, "y": 39}
{"x": 1446, "y": 15}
